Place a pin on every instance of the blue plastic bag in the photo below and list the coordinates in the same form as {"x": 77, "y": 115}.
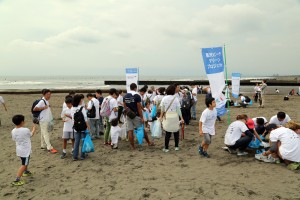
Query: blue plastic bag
{"x": 139, "y": 133}
{"x": 255, "y": 143}
{"x": 88, "y": 145}
{"x": 153, "y": 111}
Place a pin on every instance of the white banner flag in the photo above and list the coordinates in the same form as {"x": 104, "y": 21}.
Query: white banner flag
{"x": 132, "y": 76}
{"x": 235, "y": 81}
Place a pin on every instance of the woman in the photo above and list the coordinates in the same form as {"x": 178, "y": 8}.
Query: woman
{"x": 238, "y": 136}
{"x": 170, "y": 110}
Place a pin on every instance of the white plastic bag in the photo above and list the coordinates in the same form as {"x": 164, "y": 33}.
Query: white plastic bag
{"x": 123, "y": 134}
{"x": 156, "y": 131}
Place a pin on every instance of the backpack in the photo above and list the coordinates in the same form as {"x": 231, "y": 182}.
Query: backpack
{"x": 92, "y": 112}
{"x": 36, "y": 114}
{"x": 247, "y": 99}
{"x": 79, "y": 122}
{"x": 186, "y": 102}
{"x": 105, "y": 109}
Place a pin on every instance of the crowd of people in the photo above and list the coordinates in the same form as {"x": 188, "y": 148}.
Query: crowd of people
{"x": 148, "y": 109}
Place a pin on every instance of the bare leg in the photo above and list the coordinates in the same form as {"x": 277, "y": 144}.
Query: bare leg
{"x": 131, "y": 139}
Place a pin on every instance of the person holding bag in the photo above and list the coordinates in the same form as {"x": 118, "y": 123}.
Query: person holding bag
{"x": 170, "y": 110}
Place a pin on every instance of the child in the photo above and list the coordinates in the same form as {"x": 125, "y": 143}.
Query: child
{"x": 115, "y": 131}
{"x": 22, "y": 136}
{"x": 66, "y": 116}
{"x": 147, "y": 114}
{"x": 207, "y": 125}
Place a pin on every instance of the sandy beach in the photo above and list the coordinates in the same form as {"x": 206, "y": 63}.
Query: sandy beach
{"x": 147, "y": 172}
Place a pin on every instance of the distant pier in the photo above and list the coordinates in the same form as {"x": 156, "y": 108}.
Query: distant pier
{"x": 248, "y": 82}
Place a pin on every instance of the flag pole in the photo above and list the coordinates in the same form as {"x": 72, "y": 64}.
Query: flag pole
{"x": 227, "y": 88}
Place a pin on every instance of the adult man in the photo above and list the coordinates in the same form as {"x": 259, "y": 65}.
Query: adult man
{"x": 194, "y": 96}
{"x": 280, "y": 119}
{"x": 100, "y": 99}
{"x": 45, "y": 120}
{"x": 261, "y": 96}
{"x": 94, "y": 122}
{"x": 132, "y": 100}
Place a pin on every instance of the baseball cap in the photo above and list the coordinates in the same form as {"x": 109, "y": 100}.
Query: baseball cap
{"x": 250, "y": 123}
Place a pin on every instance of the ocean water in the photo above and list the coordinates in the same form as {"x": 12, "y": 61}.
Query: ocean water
{"x": 68, "y": 82}
{"x": 97, "y": 82}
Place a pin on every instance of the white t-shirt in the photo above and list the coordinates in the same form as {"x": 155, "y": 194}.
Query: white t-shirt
{"x": 234, "y": 132}
{"x": 22, "y": 138}
{"x": 96, "y": 104}
{"x": 208, "y": 119}
{"x": 165, "y": 102}
{"x": 194, "y": 93}
{"x": 68, "y": 124}
{"x": 74, "y": 109}
{"x": 120, "y": 100}
{"x": 1, "y": 100}
{"x": 290, "y": 143}
{"x": 254, "y": 119}
{"x": 45, "y": 115}
{"x": 274, "y": 120}
{"x": 113, "y": 103}
{"x": 257, "y": 89}
{"x": 158, "y": 98}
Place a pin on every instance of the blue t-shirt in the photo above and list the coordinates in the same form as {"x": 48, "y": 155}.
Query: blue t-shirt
{"x": 132, "y": 101}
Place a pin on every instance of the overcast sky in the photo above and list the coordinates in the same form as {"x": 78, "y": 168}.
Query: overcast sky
{"x": 161, "y": 37}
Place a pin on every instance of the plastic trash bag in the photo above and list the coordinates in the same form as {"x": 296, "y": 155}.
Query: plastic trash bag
{"x": 139, "y": 133}
{"x": 153, "y": 111}
{"x": 88, "y": 145}
{"x": 156, "y": 130}
{"x": 123, "y": 134}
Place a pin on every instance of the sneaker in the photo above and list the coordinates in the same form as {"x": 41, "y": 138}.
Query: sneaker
{"x": 293, "y": 166}
{"x": 200, "y": 150}
{"x": 28, "y": 173}
{"x": 63, "y": 155}
{"x": 176, "y": 148}
{"x": 231, "y": 150}
{"x": 242, "y": 153}
{"x": 75, "y": 159}
{"x": 205, "y": 154}
{"x": 53, "y": 150}
{"x": 269, "y": 159}
{"x": 165, "y": 150}
{"x": 260, "y": 157}
{"x": 18, "y": 183}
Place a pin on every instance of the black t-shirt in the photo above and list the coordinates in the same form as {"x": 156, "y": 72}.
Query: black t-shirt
{"x": 132, "y": 101}
{"x": 260, "y": 129}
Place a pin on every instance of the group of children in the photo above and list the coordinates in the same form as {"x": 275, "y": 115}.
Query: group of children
{"x": 237, "y": 138}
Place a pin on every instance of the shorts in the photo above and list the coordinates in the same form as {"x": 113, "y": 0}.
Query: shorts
{"x": 133, "y": 123}
{"x": 68, "y": 135}
{"x": 25, "y": 160}
{"x": 207, "y": 138}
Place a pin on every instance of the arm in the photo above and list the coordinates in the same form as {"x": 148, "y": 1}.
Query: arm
{"x": 200, "y": 128}
{"x": 5, "y": 107}
{"x": 139, "y": 105}
{"x": 257, "y": 136}
{"x": 33, "y": 130}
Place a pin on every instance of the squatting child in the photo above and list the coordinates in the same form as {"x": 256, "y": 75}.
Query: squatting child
{"x": 22, "y": 136}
